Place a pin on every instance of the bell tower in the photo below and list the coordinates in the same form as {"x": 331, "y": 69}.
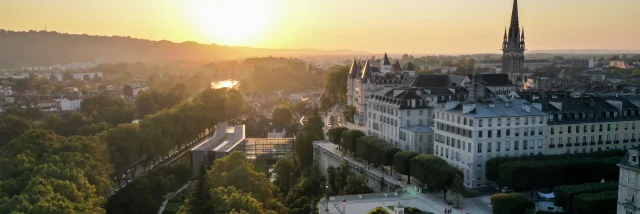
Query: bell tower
{"x": 513, "y": 47}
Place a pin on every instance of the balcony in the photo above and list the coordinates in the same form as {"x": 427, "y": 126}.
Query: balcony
{"x": 616, "y": 142}
{"x": 578, "y": 144}
{"x": 560, "y": 145}
{"x": 600, "y": 142}
{"x": 633, "y": 140}
{"x": 568, "y": 145}
{"x": 608, "y": 142}
{"x": 585, "y": 143}
{"x": 552, "y": 146}
{"x": 592, "y": 143}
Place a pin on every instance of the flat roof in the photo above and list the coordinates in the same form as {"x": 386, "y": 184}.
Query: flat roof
{"x": 218, "y": 137}
{"x": 232, "y": 137}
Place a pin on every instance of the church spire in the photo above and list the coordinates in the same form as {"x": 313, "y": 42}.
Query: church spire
{"x": 514, "y": 28}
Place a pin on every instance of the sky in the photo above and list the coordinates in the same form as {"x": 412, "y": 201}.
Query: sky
{"x": 394, "y": 26}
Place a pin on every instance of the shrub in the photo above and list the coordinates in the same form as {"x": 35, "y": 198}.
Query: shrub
{"x": 511, "y": 203}
{"x": 564, "y": 194}
{"x": 378, "y": 210}
{"x": 604, "y": 202}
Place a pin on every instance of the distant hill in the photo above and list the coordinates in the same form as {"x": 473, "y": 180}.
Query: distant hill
{"x": 43, "y": 48}
{"x": 585, "y": 51}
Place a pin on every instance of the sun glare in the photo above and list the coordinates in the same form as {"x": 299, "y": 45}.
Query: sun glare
{"x": 233, "y": 22}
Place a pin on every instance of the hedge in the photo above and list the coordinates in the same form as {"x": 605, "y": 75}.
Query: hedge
{"x": 554, "y": 172}
{"x": 493, "y": 163}
{"x": 402, "y": 163}
{"x": 564, "y": 194}
{"x": 375, "y": 150}
{"x": 604, "y": 202}
{"x": 433, "y": 171}
{"x": 510, "y": 203}
{"x": 349, "y": 138}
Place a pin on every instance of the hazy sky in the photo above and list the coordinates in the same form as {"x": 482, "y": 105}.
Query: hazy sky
{"x": 395, "y": 26}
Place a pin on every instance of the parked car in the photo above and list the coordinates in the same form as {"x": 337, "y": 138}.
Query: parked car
{"x": 506, "y": 190}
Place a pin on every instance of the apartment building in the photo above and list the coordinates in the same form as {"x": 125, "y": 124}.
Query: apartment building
{"x": 581, "y": 125}
{"x": 470, "y": 133}
{"x": 401, "y": 116}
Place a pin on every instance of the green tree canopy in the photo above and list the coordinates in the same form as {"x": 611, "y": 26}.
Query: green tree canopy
{"x": 281, "y": 116}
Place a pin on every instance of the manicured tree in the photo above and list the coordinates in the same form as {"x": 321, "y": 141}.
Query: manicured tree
{"x": 402, "y": 163}
{"x": 604, "y": 202}
{"x": 421, "y": 165}
{"x": 335, "y": 135}
{"x": 363, "y": 147}
{"x": 510, "y": 203}
{"x": 457, "y": 186}
{"x": 348, "y": 139}
{"x": 564, "y": 194}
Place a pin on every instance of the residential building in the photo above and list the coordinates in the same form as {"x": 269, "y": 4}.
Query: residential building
{"x": 577, "y": 62}
{"x": 470, "y": 133}
{"x": 67, "y": 104}
{"x": 277, "y": 134}
{"x": 591, "y": 124}
{"x": 400, "y": 115}
{"x": 47, "y": 104}
{"x": 136, "y": 88}
{"x": 628, "y": 183}
{"x": 364, "y": 80}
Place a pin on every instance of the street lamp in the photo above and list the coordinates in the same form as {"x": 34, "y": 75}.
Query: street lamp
{"x": 326, "y": 187}
{"x": 344, "y": 204}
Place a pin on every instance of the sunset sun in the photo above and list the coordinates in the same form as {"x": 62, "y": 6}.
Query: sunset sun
{"x": 233, "y": 22}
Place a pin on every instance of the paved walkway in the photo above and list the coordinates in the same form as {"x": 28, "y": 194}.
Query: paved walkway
{"x": 431, "y": 202}
{"x": 171, "y": 195}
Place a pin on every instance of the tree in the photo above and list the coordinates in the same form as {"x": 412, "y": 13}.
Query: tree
{"x": 284, "y": 169}
{"x": 349, "y": 113}
{"x": 12, "y": 127}
{"x": 636, "y": 71}
{"x": 349, "y": 138}
{"x": 200, "y": 200}
{"x": 127, "y": 90}
{"x": 402, "y": 163}
{"x": 281, "y": 116}
{"x": 424, "y": 71}
{"x": 67, "y": 76}
{"x": 46, "y": 173}
{"x": 335, "y": 135}
{"x": 457, "y": 187}
{"x": 503, "y": 203}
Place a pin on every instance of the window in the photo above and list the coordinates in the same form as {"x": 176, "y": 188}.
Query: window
{"x": 533, "y": 120}
{"x": 480, "y": 122}
{"x": 539, "y": 143}
{"x": 479, "y": 134}
{"x": 617, "y": 126}
{"x": 608, "y": 127}
{"x": 507, "y": 146}
{"x": 526, "y": 121}
{"x": 552, "y": 130}
{"x": 515, "y": 145}
{"x": 517, "y": 132}
{"x": 489, "y": 147}
{"x": 569, "y": 139}
{"x": 626, "y": 126}
{"x": 508, "y": 121}
{"x": 593, "y": 128}
{"x": 479, "y": 147}
{"x": 551, "y": 141}
{"x": 569, "y": 129}
{"x": 533, "y": 131}
{"x": 577, "y": 129}
{"x": 489, "y": 134}
{"x": 524, "y": 144}
{"x": 470, "y": 122}
{"x": 559, "y": 141}
{"x": 490, "y": 122}
{"x": 498, "y": 133}
{"x": 539, "y": 131}
{"x": 526, "y": 131}
{"x": 518, "y": 121}
{"x": 508, "y": 132}
{"x": 499, "y": 122}
{"x": 498, "y": 146}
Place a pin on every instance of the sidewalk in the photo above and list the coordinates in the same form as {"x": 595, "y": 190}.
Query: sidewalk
{"x": 429, "y": 201}
{"x": 171, "y": 195}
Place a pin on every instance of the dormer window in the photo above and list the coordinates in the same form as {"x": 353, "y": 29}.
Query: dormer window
{"x": 615, "y": 114}
{"x": 634, "y": 159}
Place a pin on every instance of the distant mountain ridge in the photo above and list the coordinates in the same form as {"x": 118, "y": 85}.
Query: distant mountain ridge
{"x": 585, "y": 51}
{"x": 44, "y": 48}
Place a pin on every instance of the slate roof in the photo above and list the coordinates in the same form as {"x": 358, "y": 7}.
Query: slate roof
{"x": 500, "y": 109}
{"x": 494, "y": 79}
{"x": 430, "y": 81}
{"x": 366, "y": 70}
{"x": 354, "y": 70}
{"x": 386, "y": 59}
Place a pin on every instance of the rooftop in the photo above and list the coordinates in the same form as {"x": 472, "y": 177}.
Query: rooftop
{"x": 233, "y": 136}
{"x": 513, "y": 108}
